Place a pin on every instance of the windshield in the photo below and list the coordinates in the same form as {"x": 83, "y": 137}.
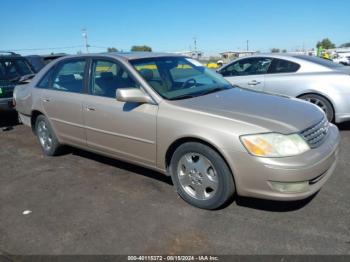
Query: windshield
{"x": 13, "y": 69}
{"x": 179, "y": 77}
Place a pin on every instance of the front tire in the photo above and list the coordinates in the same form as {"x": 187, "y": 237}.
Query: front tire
{"x": 47, "y": 137}
{"x": 322, "y": 103}
{"x": 201, "y": 176}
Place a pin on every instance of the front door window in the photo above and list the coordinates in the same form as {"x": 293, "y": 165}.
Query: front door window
{"x": 107, "y": 77}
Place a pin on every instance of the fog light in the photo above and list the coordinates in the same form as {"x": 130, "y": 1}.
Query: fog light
{"x": 290, "y": 187}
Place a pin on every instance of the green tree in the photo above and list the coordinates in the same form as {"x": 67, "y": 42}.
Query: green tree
{"x": 345, "y": 45}
{"x": 325, "y": 43}
{"x": 112, "y": 49}
{"x": 142, "y": 48}
{"x": 275, "y": 50}
{"x": 284, "y": 51}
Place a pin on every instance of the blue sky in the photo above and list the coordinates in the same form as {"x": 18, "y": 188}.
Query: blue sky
{"x": 170, "y": 25}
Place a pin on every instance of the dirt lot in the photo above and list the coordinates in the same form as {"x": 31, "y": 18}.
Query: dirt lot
{"x": 82, "y": 203}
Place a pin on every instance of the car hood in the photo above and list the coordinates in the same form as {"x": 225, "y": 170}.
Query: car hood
{"x": 274, "y": 113}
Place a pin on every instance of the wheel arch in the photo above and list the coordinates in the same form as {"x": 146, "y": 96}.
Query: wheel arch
{"x": 180, "y": 141}
{"x": 34, "y": 116}
{"x": 322, "y": 95}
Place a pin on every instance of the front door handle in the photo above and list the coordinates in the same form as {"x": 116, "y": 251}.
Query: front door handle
{"x": 90, "y": 108}
{"x": 46, "y": 100}
{"x": 254, "y": 83}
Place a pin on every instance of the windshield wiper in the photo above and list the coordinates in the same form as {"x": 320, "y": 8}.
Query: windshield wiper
{"x": 183, "y": 97}
{"x": 214, "y": 90}
{"x": 217, "y": 89}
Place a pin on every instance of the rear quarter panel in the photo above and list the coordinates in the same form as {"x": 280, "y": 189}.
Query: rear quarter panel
{"x": 28, "y": 97}
{"x": 23, "y": 96}
{"x": 294, "y": 85}
{"x": 333, "y": 86}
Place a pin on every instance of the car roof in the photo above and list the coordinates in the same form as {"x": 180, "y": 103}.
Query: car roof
{"x": 127, "y": 55}
{"x": 140, "y": 55}
{"x": 279, "y": 55}
{"x": 5, "y": 54}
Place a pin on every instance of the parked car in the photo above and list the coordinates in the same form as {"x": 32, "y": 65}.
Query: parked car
{"x": 39, "y": 61}
{"x": 313, "y": 79}
{"x": 171, "y": 114}
{"x": 342, "y": 59}
{"x": 12, "y": 68}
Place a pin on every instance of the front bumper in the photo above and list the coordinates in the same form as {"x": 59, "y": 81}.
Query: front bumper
{"x": 6, "y": 104}
{"x": 253, "y": 175}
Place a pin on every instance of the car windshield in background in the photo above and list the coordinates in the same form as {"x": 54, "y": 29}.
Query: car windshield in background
{"x": 319, "y": 61}
{"x": 13, "y": 69}
{"x": 179, "y": 77}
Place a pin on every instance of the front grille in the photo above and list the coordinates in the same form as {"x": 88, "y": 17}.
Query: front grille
{"x": 316, "y": 134}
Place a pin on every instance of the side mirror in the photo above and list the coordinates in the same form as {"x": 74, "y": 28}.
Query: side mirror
{"x": 135, "y": 95}
{"x": 25, "y": 79}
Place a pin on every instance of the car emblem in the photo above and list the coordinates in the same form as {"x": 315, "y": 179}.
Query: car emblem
{"x": 325, "y": 128}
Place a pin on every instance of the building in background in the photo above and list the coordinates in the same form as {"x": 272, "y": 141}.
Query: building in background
{"x": 193, "y": 54}
{"x": 229, "y": 55}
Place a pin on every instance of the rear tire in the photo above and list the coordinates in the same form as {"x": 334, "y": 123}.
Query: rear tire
{"x": 322, "y": 103}
{"x": 201, "y": 176}
{"x": 47, "y": 137}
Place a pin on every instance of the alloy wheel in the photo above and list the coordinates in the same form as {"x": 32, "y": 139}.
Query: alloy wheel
{"x": 44, "y": 135}
{"x": 318, "y": 102}
{"x": 197, "y": 176}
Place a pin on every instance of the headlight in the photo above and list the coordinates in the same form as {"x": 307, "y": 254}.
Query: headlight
{"x": 274, "y": 145}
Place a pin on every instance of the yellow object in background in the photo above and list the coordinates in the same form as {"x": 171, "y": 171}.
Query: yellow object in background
{"x": 212, "y": 65}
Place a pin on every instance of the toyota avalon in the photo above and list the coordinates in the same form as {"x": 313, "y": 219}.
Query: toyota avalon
{"x": 169, "y": 113}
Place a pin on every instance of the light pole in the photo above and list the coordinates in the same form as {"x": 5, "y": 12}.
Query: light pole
{"x": 195, "y": 46}
{"x": 85, "y": 36}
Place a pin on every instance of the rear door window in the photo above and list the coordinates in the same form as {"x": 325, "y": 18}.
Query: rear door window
{"x": 280, "y": 66}
{"x": 69, "y": 76}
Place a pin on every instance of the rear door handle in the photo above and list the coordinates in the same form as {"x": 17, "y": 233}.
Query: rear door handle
{"x": 254, "y": 83}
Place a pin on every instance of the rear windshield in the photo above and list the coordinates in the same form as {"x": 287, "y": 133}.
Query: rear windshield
{"x": 13, "y": 69}
{"x": 319, "y": 61}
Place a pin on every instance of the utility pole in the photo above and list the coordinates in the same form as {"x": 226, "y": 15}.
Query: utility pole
{"x": 85, "y": 36}
{"x": 195, "y": 44}
{"x": 247, "y": 45}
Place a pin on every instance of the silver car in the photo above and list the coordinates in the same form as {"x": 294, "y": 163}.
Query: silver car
{"x": 171, "y": 114}
{"x": 313, "y": 79}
